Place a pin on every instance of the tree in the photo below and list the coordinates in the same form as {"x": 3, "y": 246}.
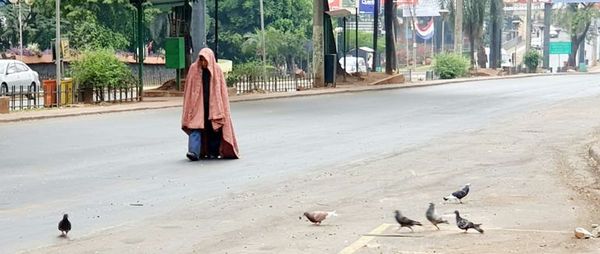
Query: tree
{"x": 474, "y": 14}
{"x": 243, "y": 18}
{"x": 576, "y": 18}
{"x": 87, "y": 23}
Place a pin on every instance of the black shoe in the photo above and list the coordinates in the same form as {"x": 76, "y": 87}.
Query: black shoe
{"x": 192, "y": 156}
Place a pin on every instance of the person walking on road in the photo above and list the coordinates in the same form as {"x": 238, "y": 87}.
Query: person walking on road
{"x": 206, "y": 116}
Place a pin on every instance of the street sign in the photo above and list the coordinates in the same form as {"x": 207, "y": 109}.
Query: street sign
{"x": 560, "y": 47}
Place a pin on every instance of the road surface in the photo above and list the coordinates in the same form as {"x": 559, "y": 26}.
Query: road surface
{"x": 126, "y": 184}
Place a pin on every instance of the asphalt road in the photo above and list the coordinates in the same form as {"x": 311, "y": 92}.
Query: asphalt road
{"x": 110, "y": 170}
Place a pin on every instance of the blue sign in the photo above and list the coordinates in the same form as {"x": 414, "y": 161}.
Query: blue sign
{"x": 368, "y": 6}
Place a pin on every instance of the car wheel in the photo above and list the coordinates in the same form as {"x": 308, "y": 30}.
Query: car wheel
{"x": 32, "y": 91}
{"x": 3, "y": 89}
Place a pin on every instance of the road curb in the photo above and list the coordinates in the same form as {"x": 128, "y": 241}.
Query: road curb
{"x": 245, "y": 98}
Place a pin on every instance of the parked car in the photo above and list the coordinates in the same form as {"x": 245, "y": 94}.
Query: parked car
{"x": 16, "y": 73}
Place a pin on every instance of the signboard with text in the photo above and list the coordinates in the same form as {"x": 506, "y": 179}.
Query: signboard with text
{"x": 560, "y": 47}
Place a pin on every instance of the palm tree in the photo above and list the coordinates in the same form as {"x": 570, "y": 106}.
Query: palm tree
{"x": 473, "y": 18}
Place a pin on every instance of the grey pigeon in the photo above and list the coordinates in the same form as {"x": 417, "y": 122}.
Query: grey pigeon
{"x": 64, "y": 225}
{"x": 433, "y": 217}
{"x": 406, "y": 222}
{"x": 460, "y": 194}
{"x": 465, "y": 224}
{"x": 317, "y": 217}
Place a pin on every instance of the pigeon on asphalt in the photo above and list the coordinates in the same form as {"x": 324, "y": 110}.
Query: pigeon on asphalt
{"x": 406, "y": 222}
{"x": 460, "y": 194}
{"x": 433, "y": 217}
{"x": 317, "y": 217}
{"x": 465, "y": 225}
{"x": 64, "y": 225}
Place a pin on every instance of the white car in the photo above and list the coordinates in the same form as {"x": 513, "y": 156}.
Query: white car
{"x": 351, "y": 64}
{"x": 18, "y": 74}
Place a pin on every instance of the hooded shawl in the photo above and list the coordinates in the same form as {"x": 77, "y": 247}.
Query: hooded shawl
{"x": 219, "y": 114}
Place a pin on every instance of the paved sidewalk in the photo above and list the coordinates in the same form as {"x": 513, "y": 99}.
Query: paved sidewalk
{"x": 171, "y": 102}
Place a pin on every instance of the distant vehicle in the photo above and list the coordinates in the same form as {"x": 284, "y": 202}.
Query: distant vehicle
{"x": 18, "y": 74}
{"x": 351, "y": 64}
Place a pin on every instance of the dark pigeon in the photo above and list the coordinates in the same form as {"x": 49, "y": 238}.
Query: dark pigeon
{"x": 64, "y": 225}
{"x": 465, "y": 225}
{"x": 460, "y": 194}
{"x": 433, "y": 217}
{"x": 406, "y": 222}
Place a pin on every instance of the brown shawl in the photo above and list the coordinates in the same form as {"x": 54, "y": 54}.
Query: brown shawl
{"x": 219, "y": 115}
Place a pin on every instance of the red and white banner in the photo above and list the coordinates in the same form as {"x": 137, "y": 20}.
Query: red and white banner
{"x": 334, "y": 4}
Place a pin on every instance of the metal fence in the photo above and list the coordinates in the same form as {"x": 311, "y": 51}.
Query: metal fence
{"x": 21, "y": 98}
{"x": 249, "y": 84}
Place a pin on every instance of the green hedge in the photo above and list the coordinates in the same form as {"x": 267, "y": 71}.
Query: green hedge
{"x": 449, "y": 66}
{"x": 99, "y": 69}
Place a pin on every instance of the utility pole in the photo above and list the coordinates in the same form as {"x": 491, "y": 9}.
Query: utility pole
{"x": 264, "y": 51}
{"x": 57, "y": 49}
{"x": 217, "y": 30}
{"x": 528, "y": 28}
{"x": 413, "y": 22}
{"x": 318, "y": 65}
{"x": 375, "y": 34}
{"x": 547, "y": 21}
{"x": 458, "y": 27}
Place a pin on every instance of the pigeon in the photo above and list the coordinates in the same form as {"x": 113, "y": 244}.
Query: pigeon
{"x": 317, "y": 217}
{"x": 465, "y": 225}
{"x": 406, "y": 222}
{"x": 460, "y": 194}
{"x": 64, "y": 225}
{"x": 433, "y": 217}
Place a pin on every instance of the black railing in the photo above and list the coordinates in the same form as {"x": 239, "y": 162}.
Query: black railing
{"x": 22, "y": 98}
{"x": 258, "y": 83}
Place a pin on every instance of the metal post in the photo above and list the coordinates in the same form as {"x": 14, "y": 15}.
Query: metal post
{"x": 547, "y": 22}
{"x": 57, "y": 49}
{"x": 528, "y": 28}
{"x": 20, "y": 31}
{"x": 356, "y": 37}
{"x": 406, "y": 41}
{"x": 262, "y": 29}
{"x": 344, "y": 53}
{"x": 140, "y": 40}
{"x": 375, "y": 34}
{"x": 443, "y": 38}
{"x": 178, "y": 78}
{"x": 414, "y": 28}
{"x": 216, "y": 30}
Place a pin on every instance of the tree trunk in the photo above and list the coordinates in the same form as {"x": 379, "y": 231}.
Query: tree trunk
{"x": 472, "y": 46}
{"x": 575, "y": 41}
{"x": 390, "y": 47}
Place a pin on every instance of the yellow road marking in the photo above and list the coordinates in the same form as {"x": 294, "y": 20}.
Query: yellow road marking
{"x": 363, "y": 240}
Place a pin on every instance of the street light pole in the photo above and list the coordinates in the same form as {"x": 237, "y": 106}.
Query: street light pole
{"x": 18, "y": 2}
{"x": 57, "y": 49}
{"x": 528, "y": 28}
{"x": 20, "y": 31}
{"x": 262, "y": 29}
{"x": 444, "y": 14}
